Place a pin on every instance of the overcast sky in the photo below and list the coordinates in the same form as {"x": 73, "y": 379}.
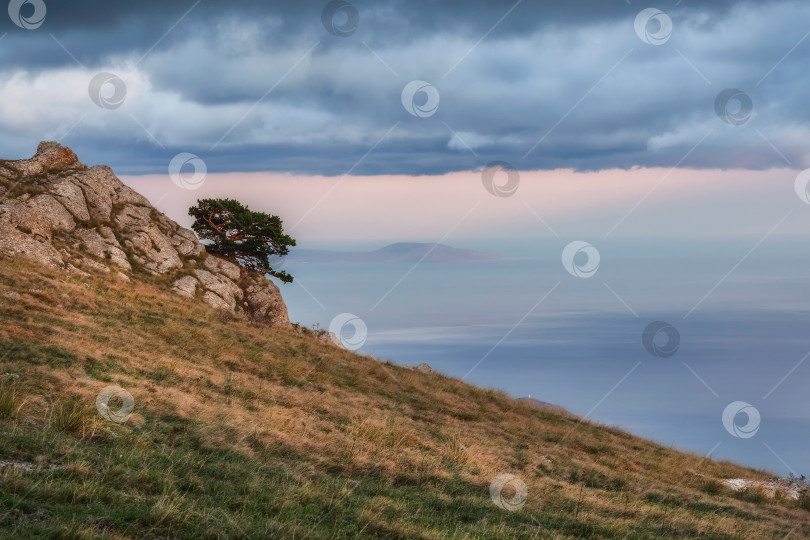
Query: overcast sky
{"x": 250, "y": 85}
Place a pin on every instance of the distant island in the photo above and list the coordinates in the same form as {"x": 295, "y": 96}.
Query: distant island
{"x": 401, "y": 252}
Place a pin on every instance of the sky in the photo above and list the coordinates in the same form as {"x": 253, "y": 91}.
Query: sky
{"x": 668, "y": 139}
{"x": 367, "y": 212}
{"x": 316, "y": 88}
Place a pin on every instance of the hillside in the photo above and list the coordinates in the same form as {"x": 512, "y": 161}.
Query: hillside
{"x": 542, "y": 404}
{"x": 226, "y": 421}
{"x": 241, "y": 431}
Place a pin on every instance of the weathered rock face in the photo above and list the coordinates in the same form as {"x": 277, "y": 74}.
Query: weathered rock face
{"x": 63, "y": 214}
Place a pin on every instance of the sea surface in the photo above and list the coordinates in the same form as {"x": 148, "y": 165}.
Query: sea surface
{"x": 524, "y": 325}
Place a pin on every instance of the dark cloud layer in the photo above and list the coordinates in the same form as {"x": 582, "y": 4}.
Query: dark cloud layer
{"x": 416, "y": 15}
{"x": 255, "y": 85}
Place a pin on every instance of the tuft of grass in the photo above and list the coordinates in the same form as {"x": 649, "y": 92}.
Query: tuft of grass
{"x": 10, "y": 401}
{"x": 455, "y": 452}
{"x": 164, "y": 372}
{"x": 754, "y": 495}
{"x": 71, "y": 416}
{"x": 166, "y": 509}
{"x": 712, "y": 486}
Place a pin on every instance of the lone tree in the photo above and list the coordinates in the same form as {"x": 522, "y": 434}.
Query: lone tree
{"x": 240, "y": 235}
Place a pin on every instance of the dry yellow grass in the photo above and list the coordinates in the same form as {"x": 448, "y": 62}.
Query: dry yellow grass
{"x": 341, "y": 421}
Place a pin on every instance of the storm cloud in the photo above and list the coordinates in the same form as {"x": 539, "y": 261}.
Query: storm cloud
{"x": 251, "y": 85}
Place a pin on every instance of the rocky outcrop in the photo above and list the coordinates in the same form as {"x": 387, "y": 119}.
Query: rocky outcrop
{"x": 791, "y": 487}
{"x": 102, "y": 243}
{"x": 63, "y": 214}
{"x": 265, "y": 304}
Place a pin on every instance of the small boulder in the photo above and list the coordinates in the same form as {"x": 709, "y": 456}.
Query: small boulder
{"x": 223, "y": 287}
{"x": 221, "y": 266}
{"x": 215, "y": 301}
{"x": 186, "y": 286}
{"x": 265, "y": 305}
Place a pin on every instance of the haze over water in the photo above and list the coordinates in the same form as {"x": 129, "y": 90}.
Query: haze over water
{"x": 581, "y": 341}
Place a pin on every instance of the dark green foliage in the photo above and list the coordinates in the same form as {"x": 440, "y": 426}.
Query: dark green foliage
{"x": 238, "y": 234}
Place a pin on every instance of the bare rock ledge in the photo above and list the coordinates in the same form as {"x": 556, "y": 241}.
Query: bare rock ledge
{"x": 63, "y": 214}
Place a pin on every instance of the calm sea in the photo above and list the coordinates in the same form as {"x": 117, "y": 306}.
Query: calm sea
{"x": 523, "y": 324}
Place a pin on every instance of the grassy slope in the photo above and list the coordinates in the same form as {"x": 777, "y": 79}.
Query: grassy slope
{"x": 250, "y": 432}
